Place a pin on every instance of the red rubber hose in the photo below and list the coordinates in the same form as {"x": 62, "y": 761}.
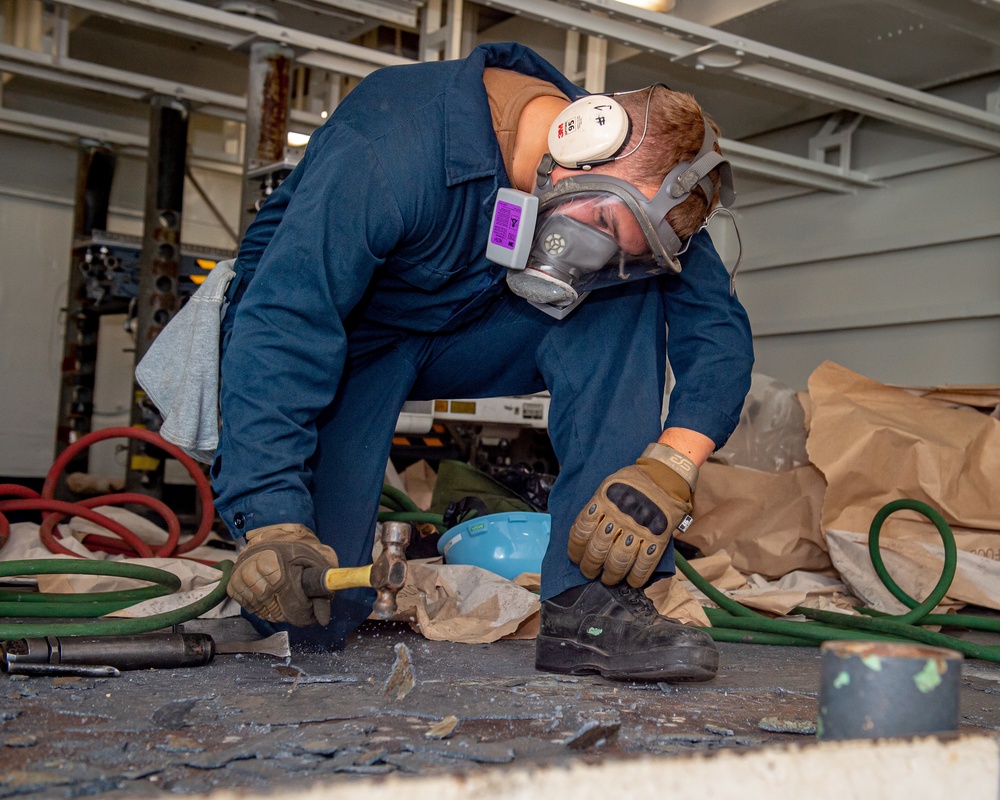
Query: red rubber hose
{"x": 127, "y": 542}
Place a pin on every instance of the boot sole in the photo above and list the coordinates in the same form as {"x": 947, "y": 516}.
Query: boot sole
{"x": 668, "y": 664}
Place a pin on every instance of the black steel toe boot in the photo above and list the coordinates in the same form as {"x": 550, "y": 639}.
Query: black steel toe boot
{"x": 616, "y": 631}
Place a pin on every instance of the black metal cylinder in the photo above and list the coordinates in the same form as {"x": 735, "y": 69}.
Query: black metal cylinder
{"x": 95, "y": 172}
{"x": 872, "y": 690}
{"x": 160, "y": 265}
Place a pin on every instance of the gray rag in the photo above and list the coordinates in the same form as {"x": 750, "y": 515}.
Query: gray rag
{"x": 180, "y": 371}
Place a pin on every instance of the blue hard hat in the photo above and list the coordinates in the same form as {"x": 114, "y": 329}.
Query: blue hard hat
{"x": 507, "y": 544}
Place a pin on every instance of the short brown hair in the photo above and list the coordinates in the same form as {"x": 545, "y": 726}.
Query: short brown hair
{"x": 675, "y": 133}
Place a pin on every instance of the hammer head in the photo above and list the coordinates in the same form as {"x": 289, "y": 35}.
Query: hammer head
{"x": 389, "y": 569}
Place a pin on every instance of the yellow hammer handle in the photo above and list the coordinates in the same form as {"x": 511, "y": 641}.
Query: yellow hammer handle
{"x": 347, "y": 578}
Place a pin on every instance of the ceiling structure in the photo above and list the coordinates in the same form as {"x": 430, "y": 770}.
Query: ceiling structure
{"x": 929, "y": 67}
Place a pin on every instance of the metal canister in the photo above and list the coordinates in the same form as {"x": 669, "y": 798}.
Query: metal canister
{"x": 871, "y": 690}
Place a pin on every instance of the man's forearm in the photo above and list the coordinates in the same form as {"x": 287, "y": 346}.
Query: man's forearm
{"x": 694, "y": 445}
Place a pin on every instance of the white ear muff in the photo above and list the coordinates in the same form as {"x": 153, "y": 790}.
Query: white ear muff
{"x": 589, "y": 131}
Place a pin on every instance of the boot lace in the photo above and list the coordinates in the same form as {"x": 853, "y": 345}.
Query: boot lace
{"x": 637, "y": 600}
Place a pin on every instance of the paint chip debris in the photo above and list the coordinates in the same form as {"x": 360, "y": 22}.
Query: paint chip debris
{"x": 442, "y": 729}
{"x": 776, "y": 725}
{"x": 402, "y": 679}
{"x": 592, "y": 734}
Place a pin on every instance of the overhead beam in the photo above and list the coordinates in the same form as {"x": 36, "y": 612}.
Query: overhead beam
{"x": 120, "y": 83}
{"x": 793, "y": 169}
{"x": 698, "y": 36}
{"x": 51, "y": 129}
{"x": 404, "y": 18}
{"x": 68, "y": 131}
{"x": 174, "y": 15}
{"x": 686, "y": 42}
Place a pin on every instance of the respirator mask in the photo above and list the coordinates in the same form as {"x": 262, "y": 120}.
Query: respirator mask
{"x": 590, "y": 231}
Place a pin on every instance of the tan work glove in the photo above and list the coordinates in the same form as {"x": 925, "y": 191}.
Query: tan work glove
{"x": 626, "y": 527}
{"x": 267, "y": 578}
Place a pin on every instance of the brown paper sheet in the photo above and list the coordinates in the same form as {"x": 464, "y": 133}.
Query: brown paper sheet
{"x": 915, "y": 566}
{"x": 419, "y": 479}
{"x": 982, "y": 396}
{"x": 768, "y": 522}
{"x": 678, "y": 598}
{"x": 197, "y": 579}
{"x": 458, "y": 603}
{"x": 874, "y": 444}
{"x": 672, "y": 598}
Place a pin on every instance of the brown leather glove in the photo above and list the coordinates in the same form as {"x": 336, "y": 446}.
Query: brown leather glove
{"x": 626, "y": 527}
{"x": 267, "y": 578}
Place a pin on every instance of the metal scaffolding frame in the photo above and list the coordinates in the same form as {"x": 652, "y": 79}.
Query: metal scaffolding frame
{"x": 447, "y": 30}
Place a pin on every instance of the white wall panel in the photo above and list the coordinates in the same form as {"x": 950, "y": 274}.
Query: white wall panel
{"x": 36, "y": 221}
{"x": 33, "y": 275}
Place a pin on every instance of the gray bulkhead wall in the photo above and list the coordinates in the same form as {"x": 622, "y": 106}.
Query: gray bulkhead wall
{"x": 899, "y": 283}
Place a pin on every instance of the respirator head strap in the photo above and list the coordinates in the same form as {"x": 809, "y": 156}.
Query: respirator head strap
{"x": 696, "y": 173}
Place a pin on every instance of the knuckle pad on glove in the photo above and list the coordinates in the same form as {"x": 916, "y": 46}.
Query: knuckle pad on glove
{"x": 578, "y": 541}
{"x": 269, "y": 610}
{"x": 620, "y": 557}
{"x": 645, "y": 563}
{"x": 582, "y": 529}
{"x": 598, "y": 548}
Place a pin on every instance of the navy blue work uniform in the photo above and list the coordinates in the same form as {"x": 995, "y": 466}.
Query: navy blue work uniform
{"x": 363, "y": 283}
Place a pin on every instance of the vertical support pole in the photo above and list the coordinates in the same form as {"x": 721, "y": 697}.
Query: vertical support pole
{"x": 160, "y": 264}
{"x": 442, "y": 36}
{"x": 267, "y": 119}
{"x": 571, "y": 55}
{"x": 594, "y": 74}
{"x": 95, "y": 171}
{"x": 597, "y": 64}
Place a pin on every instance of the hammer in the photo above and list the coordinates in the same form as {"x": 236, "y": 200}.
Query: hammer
{"x": 386, "y": 576}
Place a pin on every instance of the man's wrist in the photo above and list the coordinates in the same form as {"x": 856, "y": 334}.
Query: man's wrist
{"x": 674, "y": 459}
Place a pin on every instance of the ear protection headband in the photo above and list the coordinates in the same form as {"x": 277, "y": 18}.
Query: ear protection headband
{"x": 594, "y": 130}
{"x": 590, "y": 131}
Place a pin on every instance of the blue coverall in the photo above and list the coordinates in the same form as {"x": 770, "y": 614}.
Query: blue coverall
{"x": 363, "y": 283}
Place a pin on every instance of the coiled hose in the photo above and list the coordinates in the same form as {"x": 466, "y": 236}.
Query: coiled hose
{"x": 124, "y": 542}
{"x": 733, "y": 622}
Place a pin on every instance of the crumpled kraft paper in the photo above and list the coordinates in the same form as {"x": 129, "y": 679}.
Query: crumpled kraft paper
{"x": 673, "y": 599}
{"x": 151, "y": 533}
{"x": 769, "y": 523}
{"x": 459, "y": 603}
{"x": 915, "y": 566}
{"x": 874, "y": 444}
{"x": 983, "y": 396}
{"x": 797, "y": 588}
{"x": 419, "y": 479}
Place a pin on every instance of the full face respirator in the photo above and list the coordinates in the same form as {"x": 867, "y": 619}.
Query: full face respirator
{"x": 591, "y": 231}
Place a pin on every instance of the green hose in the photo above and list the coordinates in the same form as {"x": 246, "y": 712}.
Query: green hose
{"x": 104, "y": 627}
{"x": 733, "y": 622}
{"x": 403, "y": 509}
{"x": 94, "y": 604}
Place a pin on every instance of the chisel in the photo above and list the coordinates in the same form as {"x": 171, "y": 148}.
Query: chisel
{"x": 143, "y": 651}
